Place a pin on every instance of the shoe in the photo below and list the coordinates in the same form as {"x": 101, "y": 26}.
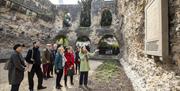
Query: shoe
{"x": 41, "y": 87}
{"x": 66, "y": 86}
{"x": 46, "y": 78}
{"x": 87, "y": 87}
{"x": 80, "y": 86}
{"x": 31, "y": 90}
{"x": 72, "y": 83}
{"x": 49, "y": 77}
{"x": 58, "y": 87}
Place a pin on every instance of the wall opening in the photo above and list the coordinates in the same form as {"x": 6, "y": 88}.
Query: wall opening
{"x": 85, "y": 20}
{"x": 62, "y": 40}
{"x": 83, "y": 41}
{"x": 108, "y": 45}
{"x": 106, "y": 18}
{"x": 67, "y": 20}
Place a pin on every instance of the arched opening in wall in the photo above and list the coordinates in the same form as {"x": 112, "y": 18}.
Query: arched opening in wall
{"x": 108, "y": 45}
{"x": 62, "y": 40}
{"x": 85, "y": 17}
{"x": 67, "y": 20}
{"x": 83, "y": 41}
{"x": 106, "y": 18}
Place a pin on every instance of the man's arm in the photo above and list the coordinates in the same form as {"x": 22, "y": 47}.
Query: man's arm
{"x": 28, "y": 57}
{"x": 16, "y": 61}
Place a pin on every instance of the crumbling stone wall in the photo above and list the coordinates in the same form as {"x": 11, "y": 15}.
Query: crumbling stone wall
{"x": 145, "y": 73}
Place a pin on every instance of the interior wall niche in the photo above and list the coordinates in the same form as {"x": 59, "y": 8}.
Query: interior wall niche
{"x": 108, "y": 45}
{"x": 83, "y": 41}
{"x": 85, "y": 20}
{"x": 67, "y": 21}
{"x": 106, "y": 18}
{"x": 62, "y": 40}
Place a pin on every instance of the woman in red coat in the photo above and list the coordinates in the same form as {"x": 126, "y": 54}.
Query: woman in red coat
{"x": 69, "y": 65}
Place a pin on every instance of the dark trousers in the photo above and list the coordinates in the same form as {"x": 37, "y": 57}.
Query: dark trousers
{"x": 83, "y": 78}
{"x": 15, "y": 87}
{"x": 45, "y": 69}
{"x": 59, "y": 76}
{"x": 77, "y": 67}
{"x": 51, "y": 66}
{"x": 35, "y": 69}
{"x": 65, "y": 79}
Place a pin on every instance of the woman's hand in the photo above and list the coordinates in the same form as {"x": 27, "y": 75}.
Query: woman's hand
{"x": 96, "y": 50}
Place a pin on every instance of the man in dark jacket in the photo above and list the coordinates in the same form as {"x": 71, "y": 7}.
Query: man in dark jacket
{"x": 34, "y": 57}
{"x": 16, "y": 68}
{"x": 47, "y": 61}
{"x": 77, "y": 60}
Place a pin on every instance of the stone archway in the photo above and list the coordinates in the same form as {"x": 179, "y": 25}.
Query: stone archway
{"x": 108, "y": 45}
{"x": 83, "y": 41}
{"x": 106, "y": 17}
{"x": 62, "y": 40}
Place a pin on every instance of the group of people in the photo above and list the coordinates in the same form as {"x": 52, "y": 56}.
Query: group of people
{"x": 57, "y": 58}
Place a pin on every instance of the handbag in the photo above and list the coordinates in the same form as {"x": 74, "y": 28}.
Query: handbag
{"x": 70, "y": 72}
{"x": 7, "y": 65}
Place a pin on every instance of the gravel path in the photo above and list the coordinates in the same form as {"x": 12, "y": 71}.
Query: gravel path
{"x": 119, "y": 80}
{"x": 50, "y": 83}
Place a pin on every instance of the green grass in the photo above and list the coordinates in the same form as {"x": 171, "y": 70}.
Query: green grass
{"x": 107, "y": 70}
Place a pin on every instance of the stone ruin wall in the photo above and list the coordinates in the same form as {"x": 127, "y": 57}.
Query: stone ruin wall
{"x": 145, "y": 73}
{"x": 27, "y": 26}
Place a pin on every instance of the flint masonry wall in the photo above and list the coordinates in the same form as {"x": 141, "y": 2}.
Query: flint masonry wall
{"x": 145, "y": 73}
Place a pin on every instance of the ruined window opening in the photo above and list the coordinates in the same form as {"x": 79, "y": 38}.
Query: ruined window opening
{"x": 62, "y": 40}
{"x": 106, "y": 18}
{"x": 108, "y": 45}
{"x": 85, "y": 20}
{"x": 83, "y": 41}
{"x": 67, "y": 21}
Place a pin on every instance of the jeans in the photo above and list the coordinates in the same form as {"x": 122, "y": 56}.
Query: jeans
{"x": 15, "y": 87}
{"x": 59, "y": 76}
{"x": 83, "y": 78}
{"x": 65, "y": 79}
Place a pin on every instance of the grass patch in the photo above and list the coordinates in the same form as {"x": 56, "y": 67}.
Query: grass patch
{"x": 107, "y": 70}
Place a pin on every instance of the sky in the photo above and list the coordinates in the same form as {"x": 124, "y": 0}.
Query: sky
{"x": 57, "y": 2}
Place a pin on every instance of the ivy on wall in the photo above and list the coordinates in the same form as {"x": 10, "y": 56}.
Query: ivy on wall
{"x": 106, "y": 18}
{"x": 85, "y": 20}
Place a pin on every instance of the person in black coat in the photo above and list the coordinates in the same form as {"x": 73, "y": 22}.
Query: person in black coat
{"x": 77, "y": 60}
{"x": 35, "y": 60}
{"x": 16, "y": 68}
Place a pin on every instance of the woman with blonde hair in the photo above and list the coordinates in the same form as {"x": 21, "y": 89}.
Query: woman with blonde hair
{"x": 84, "y": 66}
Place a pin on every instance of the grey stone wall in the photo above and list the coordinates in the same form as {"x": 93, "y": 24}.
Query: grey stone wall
{"x": 146, "y": 73}
{"x": 33, "y": 28}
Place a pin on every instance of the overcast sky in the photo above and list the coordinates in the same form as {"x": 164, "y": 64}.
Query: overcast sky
{"x": 64, "y": 1}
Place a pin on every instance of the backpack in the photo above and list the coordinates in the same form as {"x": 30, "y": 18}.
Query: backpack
{"x": 7, "y": 65}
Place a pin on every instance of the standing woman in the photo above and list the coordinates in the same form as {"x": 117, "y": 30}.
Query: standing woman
{"x": 84, "y": 66}
{"x": 59, "y": 65}
{"x": 69, "y": 65}
{"x": 16, "y": 68}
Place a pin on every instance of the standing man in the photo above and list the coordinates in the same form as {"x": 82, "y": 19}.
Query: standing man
{"x": 16, "y": 68}
{"x": 46, "y": 61}
{"x": 33, "y": 57}
{"x": 53, "y": 55}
